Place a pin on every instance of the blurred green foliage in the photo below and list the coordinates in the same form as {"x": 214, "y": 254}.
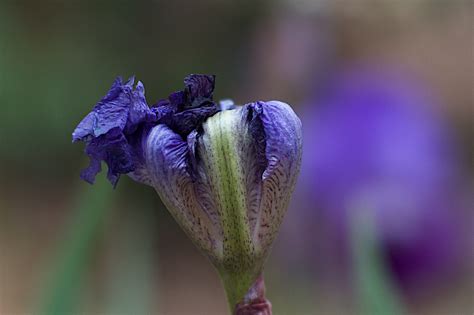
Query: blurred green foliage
{"x": 58, "y": 59}
{"x": 376, "y": 291}
{"x": 61, "y": 291}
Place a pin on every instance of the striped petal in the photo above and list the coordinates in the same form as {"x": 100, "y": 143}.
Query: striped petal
{"x": 283, "y": 150}
{"x": 166, "y": 156}
{"x": 250, "y": 158}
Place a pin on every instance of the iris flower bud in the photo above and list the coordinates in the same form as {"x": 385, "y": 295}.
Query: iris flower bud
{"x": 225, "y": 172}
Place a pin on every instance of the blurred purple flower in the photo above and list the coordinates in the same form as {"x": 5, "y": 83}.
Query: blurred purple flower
{"x": 377, "y": 145}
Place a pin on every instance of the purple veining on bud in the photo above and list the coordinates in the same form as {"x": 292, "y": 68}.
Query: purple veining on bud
{"x": 225, "y": 172}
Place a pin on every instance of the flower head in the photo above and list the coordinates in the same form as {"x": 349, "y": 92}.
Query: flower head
{"x": 225, "y": 172}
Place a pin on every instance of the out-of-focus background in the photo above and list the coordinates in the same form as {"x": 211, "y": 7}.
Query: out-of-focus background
{"x": 381, "y": 220}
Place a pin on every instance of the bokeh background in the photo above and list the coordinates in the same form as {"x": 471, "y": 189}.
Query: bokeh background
{"x": 381, "y": 221}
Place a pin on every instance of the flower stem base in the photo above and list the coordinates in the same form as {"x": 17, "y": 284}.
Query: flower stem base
{"x": 254, "y": 301}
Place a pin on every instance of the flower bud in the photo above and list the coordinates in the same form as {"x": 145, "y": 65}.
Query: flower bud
{"x": 225, "y": 173}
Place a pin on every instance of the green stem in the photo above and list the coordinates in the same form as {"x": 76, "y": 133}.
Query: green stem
{"x": 377, "y": 291}
{"x": 246, "y": 294}
{"x": 236, "y": 285}
{"x": 74, "y": 252}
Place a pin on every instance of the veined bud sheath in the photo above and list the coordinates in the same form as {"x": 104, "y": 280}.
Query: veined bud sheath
{"x": 225, "y": 172}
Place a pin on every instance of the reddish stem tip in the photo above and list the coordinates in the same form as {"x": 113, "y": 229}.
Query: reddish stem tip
{"x": 254, "y": 302}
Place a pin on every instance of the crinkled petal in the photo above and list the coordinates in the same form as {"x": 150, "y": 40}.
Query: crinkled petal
{"x": 164, "y": 111}
{"x": 177, "y": 99}
{"x": 110, "y": 112}
{"x": 188, "y": 120}
{"x": 199, "y": 88}
{"x": 139, "y": 111}
{"x": 112, "y": 148}
{"x": 88, "y": 174}
{"x": 137, "y": 142}
{"x": 114, "y": 129}
{"x": 186, "y": 110}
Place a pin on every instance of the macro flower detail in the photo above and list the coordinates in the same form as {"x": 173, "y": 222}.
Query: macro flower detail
{"x": 110, "y": 128}
{"x": 225, "y": 172}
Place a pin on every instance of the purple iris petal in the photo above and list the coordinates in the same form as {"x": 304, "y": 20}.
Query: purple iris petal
{"x": 112, "y": 148}
{"x": 111, "y": 112}
{"x": 139, "y": 111}
{"x": 186, "y": 121}
{"x": 115, "y": 129}
{"x": 199, "y": 89}
{"x": 167, "y": 157}
{"x": 110, "y": 128}
{"x": 185, "y": 110}
{"x": 282, "y": 130}
{"x": 277, "y": 142}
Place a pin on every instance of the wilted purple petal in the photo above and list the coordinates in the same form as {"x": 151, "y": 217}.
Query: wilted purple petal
{"x": 110, "y": 112}
{"x": 110, "y": 128}
{"x": 112, "y": 148}
{"x": 138, "y": 111}
{"x": 185, "y": 110}
{"x": 177, "y": 100}
{"x": 199, "y": 89}
{"x": 186, "y": 121}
